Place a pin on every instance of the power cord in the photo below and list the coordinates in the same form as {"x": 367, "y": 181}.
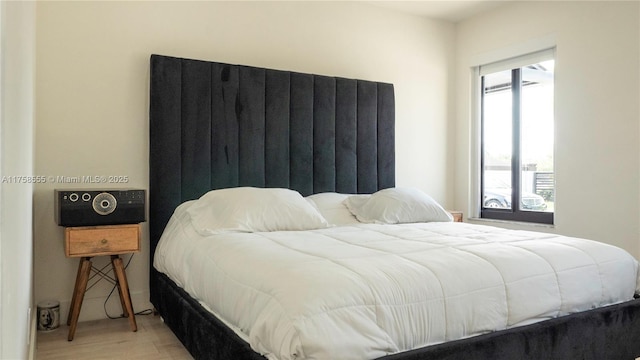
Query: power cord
{"x": 143, "y": 312}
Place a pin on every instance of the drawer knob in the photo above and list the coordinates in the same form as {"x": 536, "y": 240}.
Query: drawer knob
{"x": 103, "y": 241}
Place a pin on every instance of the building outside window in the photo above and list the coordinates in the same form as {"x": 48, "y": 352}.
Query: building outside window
{"x": 517, "y": 139}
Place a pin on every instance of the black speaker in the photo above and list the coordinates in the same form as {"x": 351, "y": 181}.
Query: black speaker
{"x": 91, "y": 207}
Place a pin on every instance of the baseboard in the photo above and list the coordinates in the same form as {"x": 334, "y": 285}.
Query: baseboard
{"x": 33, "y": 326}
{"x": 93, "y": 308}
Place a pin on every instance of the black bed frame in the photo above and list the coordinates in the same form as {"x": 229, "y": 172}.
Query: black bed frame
{"x": 215, "y": 125}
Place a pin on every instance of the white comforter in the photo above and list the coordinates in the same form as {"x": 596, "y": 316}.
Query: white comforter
{"x": 365, "y": 291}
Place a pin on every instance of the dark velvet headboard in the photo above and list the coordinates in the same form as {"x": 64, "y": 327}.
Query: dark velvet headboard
{"x": 216, "y": 125}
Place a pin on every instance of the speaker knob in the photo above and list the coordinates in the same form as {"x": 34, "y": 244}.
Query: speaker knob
{"x": 104, "y": 203}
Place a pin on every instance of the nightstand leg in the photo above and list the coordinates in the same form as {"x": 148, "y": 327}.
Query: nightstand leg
{"x": 84, "y": 270}
{"x": 125, "y": 312}
{"x": 123, "y": 287}
{"x": 75, "y": 290}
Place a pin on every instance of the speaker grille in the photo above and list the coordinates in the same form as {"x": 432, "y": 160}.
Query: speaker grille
{"x": 104, "y": 203}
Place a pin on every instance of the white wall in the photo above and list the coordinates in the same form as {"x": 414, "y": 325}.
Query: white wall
{"x": 92, "y": 93}
{"x": 597, "y": 112}
{"x": 17, "y": 77}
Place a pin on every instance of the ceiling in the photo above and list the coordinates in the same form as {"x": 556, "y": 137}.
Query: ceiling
{"x": 451, "y": 10}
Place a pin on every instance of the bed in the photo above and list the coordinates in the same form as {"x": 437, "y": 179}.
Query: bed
{"x": 217, "y": 126}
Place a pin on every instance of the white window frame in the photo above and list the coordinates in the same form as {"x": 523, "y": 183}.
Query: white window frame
{"x": 505, "y": 54}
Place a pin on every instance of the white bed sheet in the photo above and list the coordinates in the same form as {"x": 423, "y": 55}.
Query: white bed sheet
{"x": 365, "y": 291}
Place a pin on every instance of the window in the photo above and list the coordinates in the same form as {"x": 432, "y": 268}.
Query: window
{"x": 517, "y": 139}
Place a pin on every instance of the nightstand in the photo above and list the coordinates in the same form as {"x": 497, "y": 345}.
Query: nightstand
{"x": 108, "y": 240}
{"x": 457, "y": 215}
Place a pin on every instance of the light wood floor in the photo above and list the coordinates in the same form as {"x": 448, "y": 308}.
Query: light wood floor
{"x": 112, "y": 339}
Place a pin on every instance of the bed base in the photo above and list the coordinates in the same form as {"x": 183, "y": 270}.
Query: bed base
{"x": 202, "y": 334}
{"x": 608, "y": 333}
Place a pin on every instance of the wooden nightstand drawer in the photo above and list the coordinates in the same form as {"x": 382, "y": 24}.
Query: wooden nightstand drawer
{"x": 101, "y": 240}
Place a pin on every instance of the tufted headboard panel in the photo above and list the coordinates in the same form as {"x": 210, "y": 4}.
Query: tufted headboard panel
{"x": 215, "y": 125}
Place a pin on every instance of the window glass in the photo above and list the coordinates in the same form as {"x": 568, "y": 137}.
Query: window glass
{"x": 536, "y": 137}
{"x": 497, "y": 130}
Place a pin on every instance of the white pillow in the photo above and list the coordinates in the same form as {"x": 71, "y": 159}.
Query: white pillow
{"x": 248, "y": 209}
{"x": 331, "y": 206}
{"x": 397, "y": 206}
